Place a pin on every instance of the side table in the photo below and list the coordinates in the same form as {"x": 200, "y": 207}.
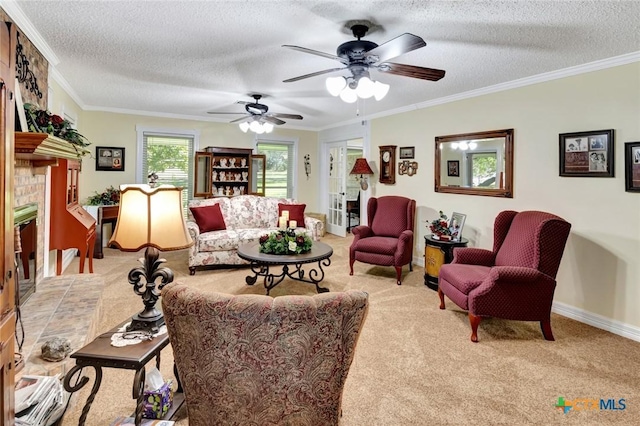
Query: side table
{"x": 436, "y": 254}
{"x": 99, "y": 353}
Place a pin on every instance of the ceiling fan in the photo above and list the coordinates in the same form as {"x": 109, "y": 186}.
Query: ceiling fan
{"x": 257, "y": 117}
{"x": 359, "y": 56}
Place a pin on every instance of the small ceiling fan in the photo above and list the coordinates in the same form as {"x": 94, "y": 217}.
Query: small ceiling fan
{"x": 359, "y": 56}
{"x": 257, "y": 117}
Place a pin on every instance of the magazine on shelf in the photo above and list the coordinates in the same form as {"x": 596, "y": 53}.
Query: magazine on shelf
{"x": 39, "y": 400}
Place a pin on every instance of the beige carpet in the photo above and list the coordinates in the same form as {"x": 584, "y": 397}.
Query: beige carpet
{"x": 414, "y": 364}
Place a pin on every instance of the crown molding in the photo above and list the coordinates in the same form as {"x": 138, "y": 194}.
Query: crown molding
{"x": 172, "y": 115}
{"x": 615, "y": 61}
{"x": 55, "y": 75}
{"x": 26, "y": 27}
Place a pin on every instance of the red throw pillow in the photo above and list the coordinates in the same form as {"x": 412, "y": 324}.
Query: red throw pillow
{"x": 296, "y": 212}
{"x": 208, "y": 218}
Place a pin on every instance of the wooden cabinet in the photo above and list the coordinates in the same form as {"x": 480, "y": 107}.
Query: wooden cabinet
{"x": 7, "y": 273}
{"x": 71, "y": 225}
{"x": 228, "y": 172}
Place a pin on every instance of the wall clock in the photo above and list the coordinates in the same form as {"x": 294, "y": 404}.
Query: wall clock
{"x": 388, "y": 164}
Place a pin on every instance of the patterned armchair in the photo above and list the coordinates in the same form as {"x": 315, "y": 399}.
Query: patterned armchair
{"x": 253, "y": 359}
{"x": 388, "y": 240}
{"x": 515, "y": 280}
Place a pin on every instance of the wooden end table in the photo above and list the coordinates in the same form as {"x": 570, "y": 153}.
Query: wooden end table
{"x": 436, "y": 254}
{"x": 99, "y": 353}
{"x": 106, "y": 214}
{"x": 260, "y": 263}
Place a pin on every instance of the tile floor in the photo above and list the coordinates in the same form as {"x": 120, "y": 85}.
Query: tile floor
{"x": 63, "y": 306}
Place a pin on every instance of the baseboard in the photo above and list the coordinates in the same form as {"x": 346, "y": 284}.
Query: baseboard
{"x": 67, "y": 257}
{"x": 580, "y": 315}
{"x": 598, "y": 321}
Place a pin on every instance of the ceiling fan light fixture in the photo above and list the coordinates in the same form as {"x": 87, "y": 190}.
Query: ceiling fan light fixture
{"x": 348, "y": 95}
{"x": 366, "y": 88}
{"x": 256, "y": 127}
{"x": 244, "y": 126}
{"x": 335, "y": 85}
{"x": 380, "y": 90}
{"x": 268, "y": 127}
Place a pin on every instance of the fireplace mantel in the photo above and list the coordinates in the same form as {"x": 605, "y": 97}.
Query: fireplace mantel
{"x": 43, "y": 149}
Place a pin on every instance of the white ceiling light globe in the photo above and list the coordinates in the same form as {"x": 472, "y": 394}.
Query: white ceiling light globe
{"x": 244, "y": 126}
{"x": 255, "y": 126}
{"x": 454, "y": 145}
{"x": 268, "y": 127}
{"x": 335, "y": 85}
{"x": 380, "y": 90}
{"x": 349, "y": 95}
{"x": 473, "y": 145}
{"x": 464, "y": 146}
{"x": 365, "y": 88}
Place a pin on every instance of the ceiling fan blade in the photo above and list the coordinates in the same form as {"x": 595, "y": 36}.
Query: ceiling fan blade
{"x": 411, "y": 71}
{"x": 272, "y": 119}
{"x": 216, "y": 112}
{"x": 313, "y": 74}
{"x": 395, "y": 47}
{"x": 244, "y": 102}
{"x": 317, "y": 53}
{"x": 290, "y": 116}
{"x": 242, "y": 119}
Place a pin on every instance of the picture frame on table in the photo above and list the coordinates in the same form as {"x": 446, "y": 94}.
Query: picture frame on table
{"x": 453, "y": 168}
{"x": 110, "y": 158}
{"x": 587, "y": 154}
{"x": 407, "y": 152}
{"x": 456, "y": 223}
{"x": 632, "y": 166}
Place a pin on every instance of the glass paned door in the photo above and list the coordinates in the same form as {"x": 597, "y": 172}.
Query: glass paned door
{"x": 336, "y": 211}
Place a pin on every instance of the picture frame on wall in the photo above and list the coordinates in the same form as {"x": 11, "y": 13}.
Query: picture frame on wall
{"x": 110, "y": 158}
{"x": 456, "y": 223}
{"x": 587, "y": 154}
{"x": 407, "y": 152}
{"x": 632, "y": 166}
{"x": 453, "y": 168}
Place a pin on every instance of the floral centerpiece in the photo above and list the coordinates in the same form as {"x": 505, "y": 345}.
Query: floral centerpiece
{"x": 440, "y": 227}
{"x": 285, "y": 242}
{"x": 43, "y": 121}
{"x": 109, "y": 197}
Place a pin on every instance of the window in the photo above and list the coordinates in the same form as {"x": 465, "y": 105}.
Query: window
{"x": 170, "y": 157}
{"x": 280, "y": 169}
{"x": 482, "y": 169}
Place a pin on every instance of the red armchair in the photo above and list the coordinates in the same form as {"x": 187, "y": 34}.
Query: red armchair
{"x": 388, "y": 240}
{"x": 515, "y": 280}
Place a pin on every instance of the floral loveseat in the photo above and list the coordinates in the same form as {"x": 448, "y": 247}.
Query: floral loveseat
{"x": 246, "y": 218}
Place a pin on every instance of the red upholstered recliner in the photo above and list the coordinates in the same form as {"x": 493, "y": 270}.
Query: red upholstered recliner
{"x": 388, "y": 239}
{"x": 515, "y": 280}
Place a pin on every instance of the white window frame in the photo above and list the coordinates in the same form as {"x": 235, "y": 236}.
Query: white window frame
{"x": 294, "y": 142}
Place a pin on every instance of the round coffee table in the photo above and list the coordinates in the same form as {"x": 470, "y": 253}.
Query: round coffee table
{"x": 261, "y": 262}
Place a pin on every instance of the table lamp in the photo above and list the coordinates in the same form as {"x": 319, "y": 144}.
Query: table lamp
{"x": 151, "y": 218}
{"x": 361, "y": 167}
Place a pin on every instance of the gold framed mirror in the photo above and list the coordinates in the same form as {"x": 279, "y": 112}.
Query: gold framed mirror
{"x": 475, "y": 163}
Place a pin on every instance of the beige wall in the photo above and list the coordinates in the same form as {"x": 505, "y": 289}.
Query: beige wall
{"x": 112, "y": 129}
{"x": 599, "y": 271}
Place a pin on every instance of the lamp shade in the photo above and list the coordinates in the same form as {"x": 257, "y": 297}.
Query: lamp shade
{"x": 150, "y": 217}
{"x": 361, "y": 167}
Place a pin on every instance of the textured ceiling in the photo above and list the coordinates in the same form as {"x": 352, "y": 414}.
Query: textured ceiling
{"x": 185, "y": 58}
